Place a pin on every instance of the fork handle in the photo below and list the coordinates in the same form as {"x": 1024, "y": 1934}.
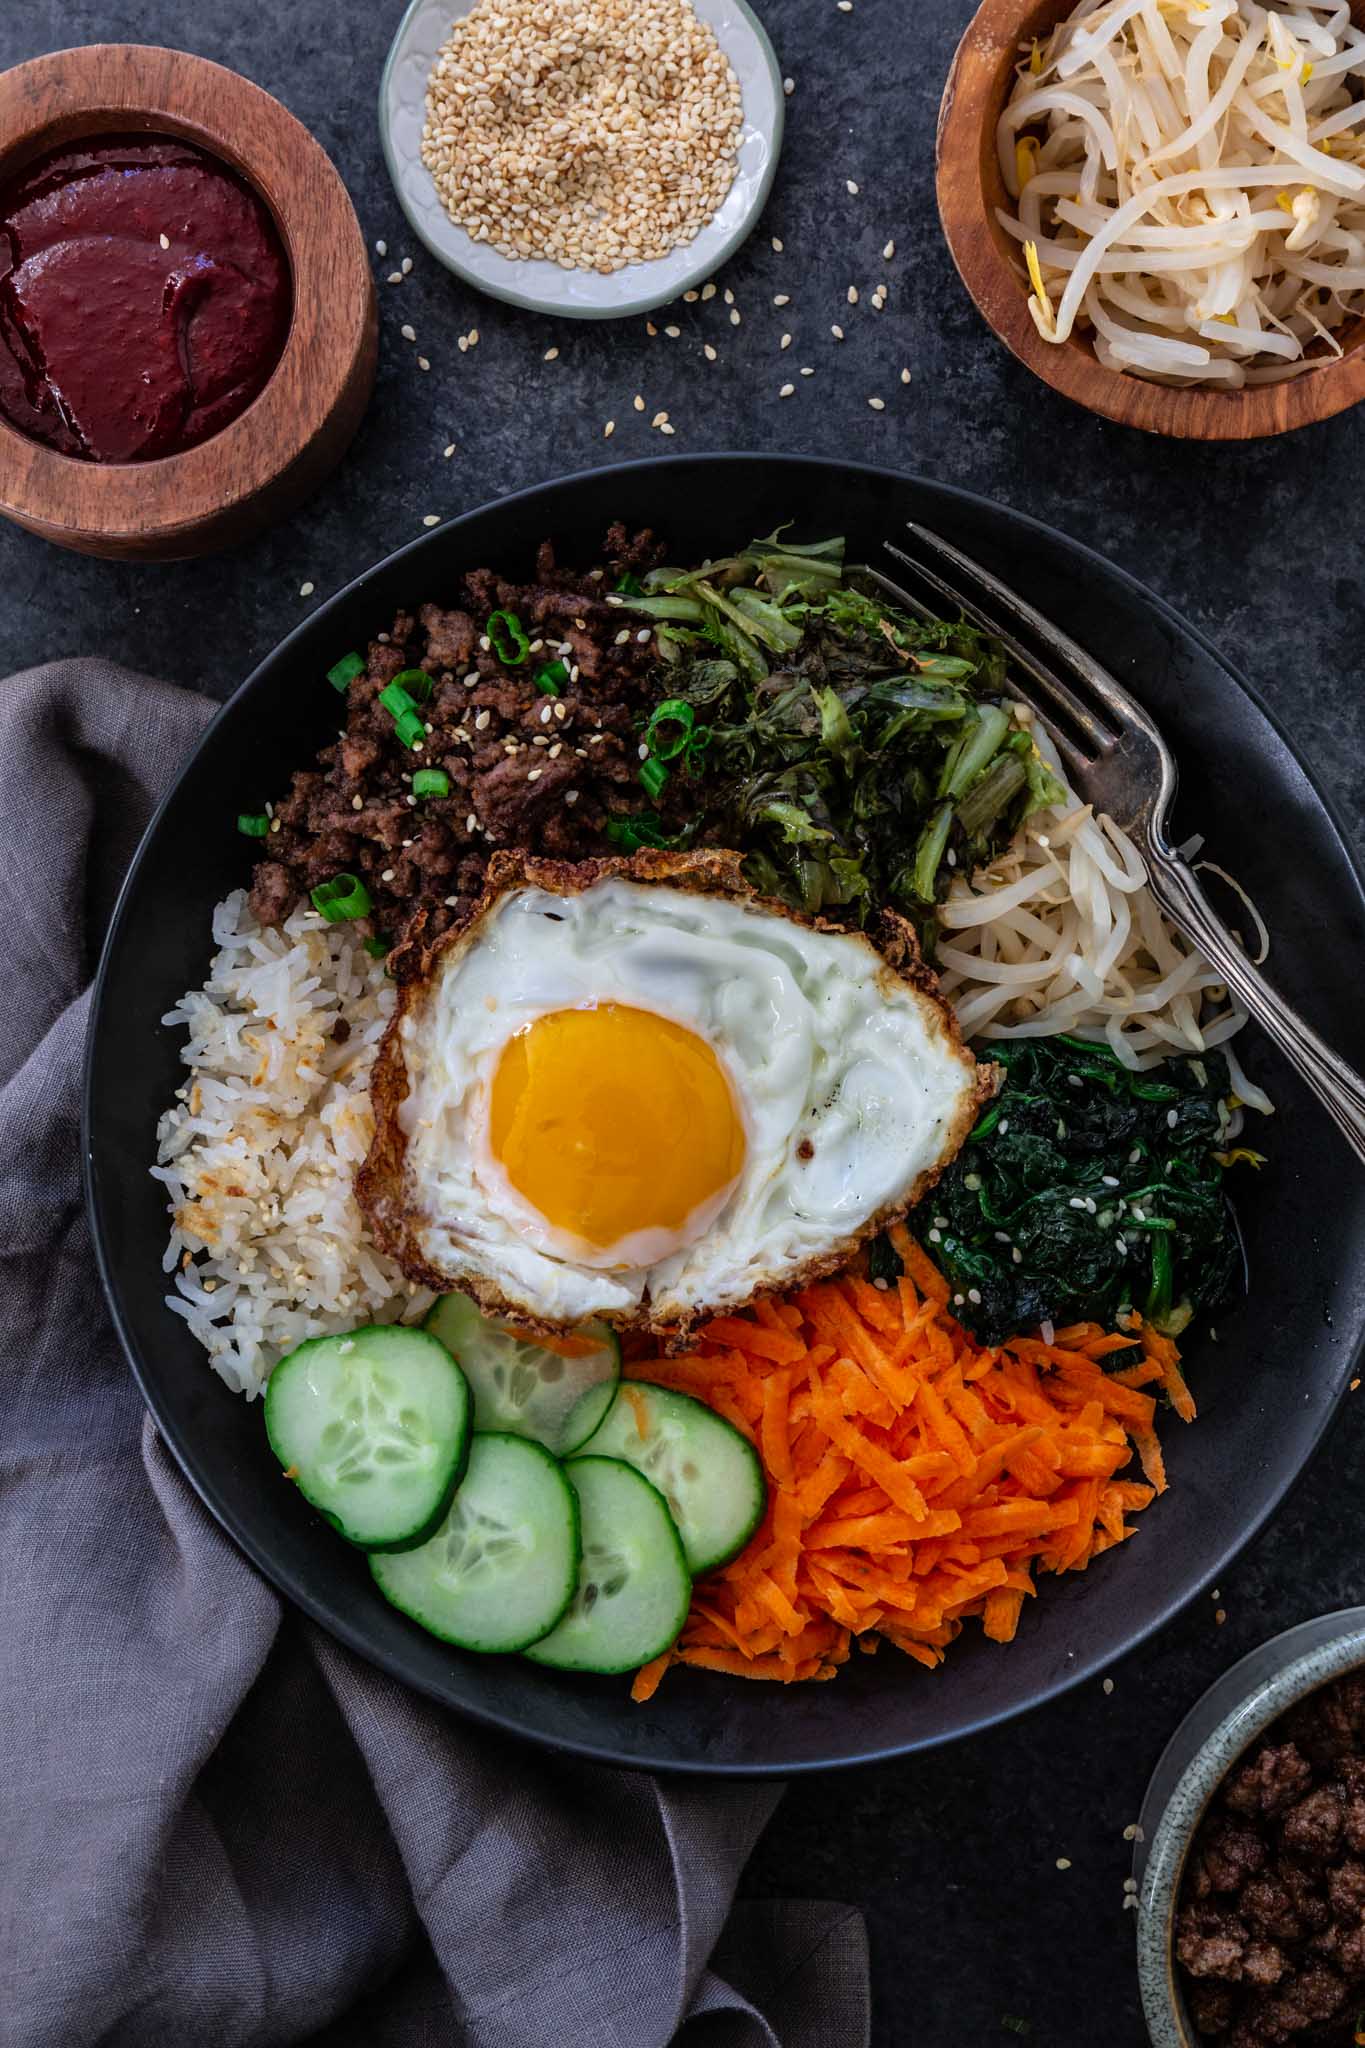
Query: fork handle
{"x": 1338, "y": 1087}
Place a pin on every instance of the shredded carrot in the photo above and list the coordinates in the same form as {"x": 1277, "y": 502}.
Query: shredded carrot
{"x": 916, "y": 1479}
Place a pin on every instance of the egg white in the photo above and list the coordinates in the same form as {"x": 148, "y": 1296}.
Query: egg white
{"x": 847, "y": 1080}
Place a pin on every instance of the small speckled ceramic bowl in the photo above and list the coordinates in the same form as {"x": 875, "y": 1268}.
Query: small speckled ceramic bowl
{"x": 1226, "y": 1721}
{"x": 544, "y": 287}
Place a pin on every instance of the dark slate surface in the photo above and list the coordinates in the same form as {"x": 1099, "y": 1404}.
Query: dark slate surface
{"x": 953, "y": 1857}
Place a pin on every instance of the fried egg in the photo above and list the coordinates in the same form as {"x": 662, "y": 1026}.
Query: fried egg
{"x": 635, "y": 1090}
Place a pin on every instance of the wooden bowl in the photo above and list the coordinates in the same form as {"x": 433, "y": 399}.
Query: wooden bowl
{"x": 296, "y": 430}
{"x": 990, "y": 264}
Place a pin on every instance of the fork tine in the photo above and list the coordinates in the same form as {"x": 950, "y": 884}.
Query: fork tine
{"x": 1073, "y": 758}
{"x": 1115, "y": 709}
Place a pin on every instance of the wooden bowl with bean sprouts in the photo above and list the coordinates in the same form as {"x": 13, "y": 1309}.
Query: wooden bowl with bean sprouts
{"x": 1227, "y": 305}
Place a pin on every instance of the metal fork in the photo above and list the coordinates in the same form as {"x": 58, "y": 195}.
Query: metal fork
{"x": 1117, "y": 761}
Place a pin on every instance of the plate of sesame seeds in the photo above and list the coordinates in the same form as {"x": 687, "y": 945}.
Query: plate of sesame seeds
{"x": 592, "y": 158}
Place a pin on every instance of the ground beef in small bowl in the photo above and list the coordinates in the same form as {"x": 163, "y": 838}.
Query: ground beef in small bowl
{"x": 1270, "y": 1929}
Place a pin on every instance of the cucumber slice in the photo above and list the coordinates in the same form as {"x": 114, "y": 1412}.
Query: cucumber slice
{"x": 556, "y": 1397}
{"x": 633, "y": 1588}
{"x": 502, "y": 1567}
{"x": 375, "y": 1428}
{"x": 707, "y": 1472}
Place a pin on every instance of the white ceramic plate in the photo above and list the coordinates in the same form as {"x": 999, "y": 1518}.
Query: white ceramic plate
{"x": 544, "y": 287}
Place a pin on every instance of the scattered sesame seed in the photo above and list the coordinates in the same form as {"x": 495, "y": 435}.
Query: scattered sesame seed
{"x": 974, "y": 1296}
{"x": 571, "y": 796}
{"x": 837, "y": 332}
{"x": 734, "y": 316}
{"x": 888, "y": 252}
{"x": 381, "y": 248}
{"x": 777, "y": 245}
{"x": 406, "y": 265}
{"x": 644, "y": 635}
{"x": 533, "y": 774}
{"x": 471, "y": 679}
{"x": 1063, "y": 1863}
{"x": 395, "y": 277}
{"x": 1130, "y": 1832}
{"x": 555, "y": 751}
{"x": 708, "y": 291}
{"x": 545, "y": 714}
{"x": 789, "y": 86}
{"x": 667, "y": 429}
{"x": 357, "y": 803}
{"x": 1108, "y": 1685}
{"x": 408, "y": 333}
{"x": 473, "y": 337}
{"x": 785, "y": 342}
{"x": 638, "y": 402}
{"x": 470, "y": 822}
{"x": 432, "y": 519}
{"x": 482, "y": 721}
{"x": 559, "y": 707}
{"x": 1172, "y": 1119}
{"x": 165, "y": 241}
{"x": 608, "y": 430}
{"x": 463, "y": 343}
{"x": 729, "y": 296}
{"x": 622, "y": 637}
{"x": 935, "y": 1237}
{"x": 852, "y": 188}
{"x": 387, "y": 875}
{"x": 782, "y": 299}
{"x": 1220, "y": 1615}
{"x": 877, "y": 404}
{"x": 551, "y": 355}
{"x": 905, "y": 376}
{"x": 651, "y": 329}
{"x": 307, "y": 589}
{"x": 423, "y": 363}
{"x": 658, "y": 419}
{"x": 690, "y": 298}
{"x": 709, "y": 352}
{"x": 1017, "y": 1256}
{"x": 807, "y": 371}
{"x": 786, "y": 391}
{"x": 673, "y": 332}
{"x": 448, "y": 450}
{"x": 845, "y": 6}
{"x": 853, "y": 295}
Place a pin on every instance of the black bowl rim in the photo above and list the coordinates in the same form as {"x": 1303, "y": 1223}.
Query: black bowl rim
{"x": 334, "y": 1620}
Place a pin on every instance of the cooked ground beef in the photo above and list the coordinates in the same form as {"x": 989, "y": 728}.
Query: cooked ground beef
{"x": 525, "y": 769}
{"x": 1271, "y": 1926}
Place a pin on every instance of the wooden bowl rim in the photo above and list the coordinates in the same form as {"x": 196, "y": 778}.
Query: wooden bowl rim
{"x": 137, "y": 85}
{"x": 965, "y": 148}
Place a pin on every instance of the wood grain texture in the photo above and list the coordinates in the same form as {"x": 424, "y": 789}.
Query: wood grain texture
{"x": 295, "y": 432}
{"x": 970, "y": 188}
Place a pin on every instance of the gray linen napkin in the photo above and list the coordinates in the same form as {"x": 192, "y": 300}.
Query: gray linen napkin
{"x": 216, "y": 1825}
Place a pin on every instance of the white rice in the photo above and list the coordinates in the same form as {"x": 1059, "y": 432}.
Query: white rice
{"x": 268, "y": 1245}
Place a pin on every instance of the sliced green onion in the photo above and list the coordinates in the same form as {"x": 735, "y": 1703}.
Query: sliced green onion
{"x": 508, "y": 638}
{"x": 395, "y": 698}
{"x": 417, "y": 682}
{"x": 632, "y": 833}
{"x": 254, "y": 824}
{"x": 630, "y": 586}
{"x": 377, "y": 948}
{"x": 431, "y": 782}
{"x": 343, "y": 898}
{"x": 653, "y": 776}
{"x": 677, "y": 713}
{"x": 344, "y": 672}
{"x": 410, "y": 728}
{"x": 551, "y": 679}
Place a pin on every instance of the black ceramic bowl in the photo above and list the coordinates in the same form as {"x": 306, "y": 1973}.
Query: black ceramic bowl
{"x": 1267, "y": 1387}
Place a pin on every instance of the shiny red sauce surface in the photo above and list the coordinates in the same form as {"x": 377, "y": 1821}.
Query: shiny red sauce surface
{"x": 144, "y": 298}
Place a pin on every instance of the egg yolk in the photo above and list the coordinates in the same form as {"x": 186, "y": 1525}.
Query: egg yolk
{"x": 613, "y": 1120}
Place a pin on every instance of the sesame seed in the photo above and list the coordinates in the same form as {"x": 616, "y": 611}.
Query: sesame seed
{"x": 482, "y": 721}
{"x": 357, "y": 803}
{"x": 667, "y": 429}
{"x": 974, "y": 1296}
{"x": 471, "y": 679}
{"x": 387, "y": 875}
{"x": 395, "y": 277}
{"x": 533, "y": 774}
{"x": 658, "y": 419}
{"x": 571, "y": 796}
{"x": 852, "y": 188}
{"x": 708, "y": 291}
{"x": 1063, "y": 1863}
{"x": 551, "y": 355}
{"x": 1076, "y": 1202}
{"x": 381, "y": 248}
{"x": 643, "y": 753}
{"x": 1108, "y": 1685}
{"x": 853, "y": 295}
{"x": 1017, "y": 1256}
{"x": 1130, "y": 1832}
{"x": 423, "y": 363}
{"x": 935, "y": 1237}
{"x": 463, "y": 343}
{"x": 958, "y": 1300}
{"x": 734, "y": 316}
{"x": 1172, "y": 1119}
{"x": 555, "y": 751}
{"x": 782, "y": 299}
{"x": 807, "y": 371}
{"x": 651, "y": 329}
{"x": 545, "y": 714}
{"x": 307, "y": 589}
{"x": 786, "y": 391}
{"x": 559, "y": 707}
{"x": 448, "y": 450}
{"x": 785, "y": 342}
{"x": 905, "y": 376}
{"x": 470, "y": 822}
{"x": 406, "y": 265}
{"x": 729, "y": 296}
{"x": 608, "y": 430}
{"x": 638, "y": 402}
{"x": 673, "y": 332}
{"x": 789, "y": 86}
{"x": 432, "y": 519}
{"x": 709, "y": 352}
{"x": 622, "y": 637}
{"x": 690, "y": 298}
{"x": 645, "y": 635}
{"x": 408, "y": 333}
{"x": 877, "y": 404}
{"x": 888, "y": 252}
{"x": 837, "y": 332}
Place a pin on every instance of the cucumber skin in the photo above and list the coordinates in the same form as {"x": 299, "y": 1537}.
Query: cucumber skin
{"x": 631, "y": 1663}
{"x": 458, "y": 1468}
{"x": 509, "y": 1649}
{"x": 711, "y": 1564}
